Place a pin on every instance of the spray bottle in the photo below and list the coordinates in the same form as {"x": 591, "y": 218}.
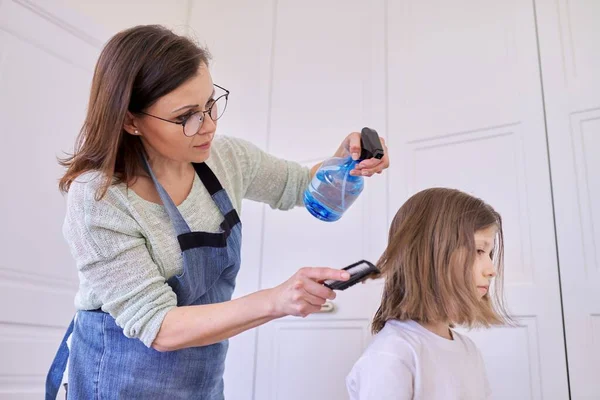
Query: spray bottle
{"x": 333, "y": 190}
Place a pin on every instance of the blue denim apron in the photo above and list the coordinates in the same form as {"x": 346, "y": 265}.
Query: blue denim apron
{"x": 105, "y": 364}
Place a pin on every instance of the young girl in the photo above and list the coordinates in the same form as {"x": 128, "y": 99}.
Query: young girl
{"x": 444, "y": 249}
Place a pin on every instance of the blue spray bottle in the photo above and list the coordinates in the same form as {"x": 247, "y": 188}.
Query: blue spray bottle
{"x": 333, "y": 190}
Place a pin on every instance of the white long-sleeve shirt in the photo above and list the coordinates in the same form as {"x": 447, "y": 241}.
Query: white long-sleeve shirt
{"x": 406, "y": 361}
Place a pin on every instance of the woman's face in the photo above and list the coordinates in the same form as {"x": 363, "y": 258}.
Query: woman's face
{"x": 167, "y": 140}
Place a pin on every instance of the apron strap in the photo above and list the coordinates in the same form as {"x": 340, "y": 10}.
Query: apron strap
{"x": 218, "y": 194}
{"x": 179, "y": 223}
{"x": 57, "y": 369}
{"x": 188, "y": 239}
{"x": 193, "y": 240}
{"x": 208, "y": 178}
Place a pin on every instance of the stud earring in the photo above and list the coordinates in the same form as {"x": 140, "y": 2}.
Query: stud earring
{"x": 136, "y": 132}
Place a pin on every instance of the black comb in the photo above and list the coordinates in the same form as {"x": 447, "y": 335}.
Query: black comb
{"x": 358, "y": 271}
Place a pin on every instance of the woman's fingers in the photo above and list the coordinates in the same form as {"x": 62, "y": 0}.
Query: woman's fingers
{"x": 304, "y": 293}
{"x": 320, "y": 274}
{"x": 373, "y": 165}
{"x": 318, "y": 290}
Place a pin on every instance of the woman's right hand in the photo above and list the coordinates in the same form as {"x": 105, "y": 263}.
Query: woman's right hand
{"x": 304, "y": 293}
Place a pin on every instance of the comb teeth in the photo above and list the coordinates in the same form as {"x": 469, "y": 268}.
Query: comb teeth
{"x": 353, "y": 270}
{"x": 358, "y": 268}
{"x": 358, "y": 271}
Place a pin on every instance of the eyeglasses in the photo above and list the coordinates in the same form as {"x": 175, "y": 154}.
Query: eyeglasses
{"x": 192, "y": 123}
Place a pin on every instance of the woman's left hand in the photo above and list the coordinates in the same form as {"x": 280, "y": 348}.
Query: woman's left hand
{"x": 351, "y": 145}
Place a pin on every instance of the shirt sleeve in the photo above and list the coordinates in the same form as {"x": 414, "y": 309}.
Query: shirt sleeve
{"x": 114, "y": 263}
{"x": 381, "y": 376}
{"x": 269, "y": 179}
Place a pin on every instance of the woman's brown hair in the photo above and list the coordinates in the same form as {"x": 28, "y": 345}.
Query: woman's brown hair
{"x": 136, "y": 67}
{"x": 428, "y": 262}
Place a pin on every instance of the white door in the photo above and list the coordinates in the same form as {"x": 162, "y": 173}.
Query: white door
{"x": 241, "y": 63}
{"x": 466, "y": 111}
{"x": 46, "y": 64}
{"x": 464, "y": 108}
{"x": 569, "y": 43}
{"x": 327, "y": 78}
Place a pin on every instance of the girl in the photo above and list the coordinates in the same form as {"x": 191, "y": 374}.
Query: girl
{"x": 444, "y": 249}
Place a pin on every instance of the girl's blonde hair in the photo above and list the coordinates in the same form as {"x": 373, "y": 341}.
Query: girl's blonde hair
{"x": 428, "y": 262}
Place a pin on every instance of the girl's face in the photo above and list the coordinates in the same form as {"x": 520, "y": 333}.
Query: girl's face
{"x": 483, "y": 268}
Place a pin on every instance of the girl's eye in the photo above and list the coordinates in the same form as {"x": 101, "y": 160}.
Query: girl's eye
{"x": 480, "y": 252}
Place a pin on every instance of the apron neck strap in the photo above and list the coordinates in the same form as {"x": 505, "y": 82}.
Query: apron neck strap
{"x": 216, "y": 190}
{"x": 208, "y": 178}
{"x": 176, "y": 218}
{"x": 210, "y": 182}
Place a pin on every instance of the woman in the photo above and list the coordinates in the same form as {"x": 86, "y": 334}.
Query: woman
{"x": 152, "y": 222}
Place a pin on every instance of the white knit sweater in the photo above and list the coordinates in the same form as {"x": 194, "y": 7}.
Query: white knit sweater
{"x": 125, "y": 247}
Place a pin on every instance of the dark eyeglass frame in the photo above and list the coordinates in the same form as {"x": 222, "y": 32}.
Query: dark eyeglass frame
{"x": 199, "y": 114}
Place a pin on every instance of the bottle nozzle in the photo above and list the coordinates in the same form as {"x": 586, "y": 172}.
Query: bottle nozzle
{"x": 370, "y": 144}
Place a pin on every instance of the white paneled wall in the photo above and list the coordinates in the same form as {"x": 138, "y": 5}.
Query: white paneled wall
{"x": 464, "y": 109}
{"x": 241, "y": 63}
{"x": 464, "y": 87}
{"x": 115, "y": 15}
{"x": 285, "y": 103}
{"x": 569, "y": 42}
{"x": 47, "y": 57}
{"x": 500, "y": 99}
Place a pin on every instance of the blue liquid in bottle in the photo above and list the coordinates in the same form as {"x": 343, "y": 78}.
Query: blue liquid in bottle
{"x": 333, "y": 190}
